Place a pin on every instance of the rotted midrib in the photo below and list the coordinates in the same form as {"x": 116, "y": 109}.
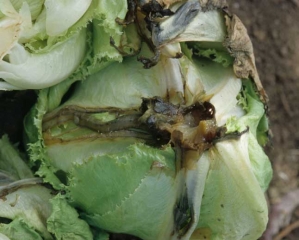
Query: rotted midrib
{"x": 74, "y": 113}
{"x": 71, "y": 109}
{"x": 95, "y": 136}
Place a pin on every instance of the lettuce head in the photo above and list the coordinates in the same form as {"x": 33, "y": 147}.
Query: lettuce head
{"x": 158, "y": 132}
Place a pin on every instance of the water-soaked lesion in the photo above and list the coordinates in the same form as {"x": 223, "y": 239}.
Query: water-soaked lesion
{"x": 178, "y": 124}
{"x": 187, "y": 127}
{"x": 190, "y": 130}
{"x": 190, "y": 127}
{"x": 183, "y": 215}
{"x": 158, "y": 24}
{"x": 130, "y": 15}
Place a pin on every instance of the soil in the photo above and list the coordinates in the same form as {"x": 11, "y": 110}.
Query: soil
{"x": 273, "y": 28}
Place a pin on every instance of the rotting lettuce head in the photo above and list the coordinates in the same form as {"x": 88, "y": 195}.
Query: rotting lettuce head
{"x": 168, "y": 152}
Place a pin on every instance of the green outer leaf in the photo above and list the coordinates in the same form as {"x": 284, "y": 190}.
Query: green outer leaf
{"x": 11, "y": 162}
{"x": 233, "y": 206}
{"x": 261, "y": 166}
{"x": 255, "y": 117}
{"x": 129, "y": 166}
{"x": 34, "y": 141}
{"x": 100, "y": 235}
{"x": 31, "y": 204}
{"x": 262, "y": 131}
{"x": 64, "y": 222}
{"x": 221, "y": 57}
{"x": 107, "y": 12}
{"x": 140, "y": 175}
{"x": 256, "y": 120}
{"x": 251, "y": 119}
{"x": 76, "y": 152}
{"x": 263, "y": 125}
{"x": 103, "y": 52}
{"x": 19, "y": 229}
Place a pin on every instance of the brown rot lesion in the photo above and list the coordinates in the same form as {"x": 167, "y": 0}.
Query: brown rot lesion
{"x": 150, "y": 62}
{"x": 145, "y": 15}
{"x": 150, "y": 8}
{"x": 224, "y": 135}
{"x": 190, "y": 127}
{"x": 124, "y": 50}
{"x": 131, "y": 14}
{"x": 154, "y": 9}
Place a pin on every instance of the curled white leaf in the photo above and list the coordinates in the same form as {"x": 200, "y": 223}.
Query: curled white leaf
{"x": 26, "y": 70}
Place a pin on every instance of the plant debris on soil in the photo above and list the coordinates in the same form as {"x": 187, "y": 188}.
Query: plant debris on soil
{"x": 273, "y": 28}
